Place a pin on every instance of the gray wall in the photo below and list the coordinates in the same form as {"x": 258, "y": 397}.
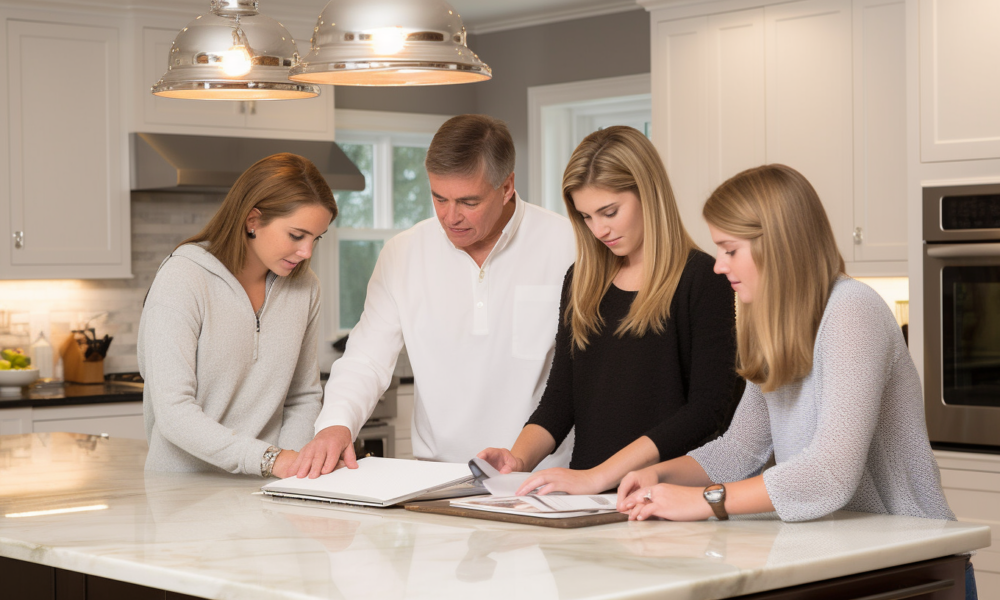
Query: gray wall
{"x": 577, "y": 50}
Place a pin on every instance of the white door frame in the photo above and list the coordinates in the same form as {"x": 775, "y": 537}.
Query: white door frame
{"x": 576, "y": 92}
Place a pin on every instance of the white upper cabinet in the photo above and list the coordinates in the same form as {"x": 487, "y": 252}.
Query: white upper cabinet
{"x": 809, "y": 116}
{"x": 708, "y": 90}
{"x": 64, "y": 201}
{"x": 292, "y": 119}
{"x": 736, "y": 94}
{"x": 679, "y": 101}
{"x": 959, "y": 80}
{"x": 818, "y": 85}
{"x": 880, "y": 176}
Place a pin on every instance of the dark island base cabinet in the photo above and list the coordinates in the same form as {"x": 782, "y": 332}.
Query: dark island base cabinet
{"x": 938, "y": 579}
{"x": 20, "y": 580}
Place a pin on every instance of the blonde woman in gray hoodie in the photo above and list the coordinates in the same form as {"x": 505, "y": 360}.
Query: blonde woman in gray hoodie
{"x": 228, "y": 333}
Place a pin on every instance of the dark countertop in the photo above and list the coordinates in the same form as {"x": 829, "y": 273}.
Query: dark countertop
{"x": 68, "y": 394}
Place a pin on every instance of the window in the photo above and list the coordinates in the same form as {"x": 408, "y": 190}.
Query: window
{"x": 396, "y": 197}
{"x": 561, "y": 115}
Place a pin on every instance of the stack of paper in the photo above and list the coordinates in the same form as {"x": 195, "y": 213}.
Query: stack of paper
{"x": 376, "y": 482}
{"x": 549, "y": 506}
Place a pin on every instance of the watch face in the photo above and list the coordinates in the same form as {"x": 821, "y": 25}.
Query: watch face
{"x": 714, "y": 496}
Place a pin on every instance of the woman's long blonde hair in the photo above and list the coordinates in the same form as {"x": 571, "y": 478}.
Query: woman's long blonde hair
{"x": 619, "y": 159}
{"x": 797, "y": 262}
{"x": 277, "y": 186}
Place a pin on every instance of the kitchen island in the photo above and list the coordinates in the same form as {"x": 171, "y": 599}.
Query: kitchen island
{"x": 83, "y": 505}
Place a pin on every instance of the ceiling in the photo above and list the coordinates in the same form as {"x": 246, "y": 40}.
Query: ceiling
{"x": 479, "y": 16}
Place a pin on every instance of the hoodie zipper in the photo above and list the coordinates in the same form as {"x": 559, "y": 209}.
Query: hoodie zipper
{"x": 271, "y": 277}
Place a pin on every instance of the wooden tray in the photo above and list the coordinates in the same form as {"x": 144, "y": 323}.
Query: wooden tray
{"x": 444, "y": 507}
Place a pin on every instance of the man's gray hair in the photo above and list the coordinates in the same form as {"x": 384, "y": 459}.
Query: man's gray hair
{"x": 472, "y": 144}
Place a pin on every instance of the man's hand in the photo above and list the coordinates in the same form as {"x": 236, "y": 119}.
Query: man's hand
{"x": 322, "y": 454}
{"x": 502, "y": 460}
{"x": 283, "y": 464}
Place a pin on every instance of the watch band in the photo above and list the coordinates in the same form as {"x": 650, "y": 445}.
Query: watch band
{"x": 715, "y": 495}
{"x": 267, "y": 461}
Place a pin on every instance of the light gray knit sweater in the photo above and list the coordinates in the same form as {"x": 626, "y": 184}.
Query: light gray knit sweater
{"x": 850, "y": 435}
{"x": 218, "y": 392}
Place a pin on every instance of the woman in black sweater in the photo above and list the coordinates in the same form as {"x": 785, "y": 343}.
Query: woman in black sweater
{"x": 645, "y": 351}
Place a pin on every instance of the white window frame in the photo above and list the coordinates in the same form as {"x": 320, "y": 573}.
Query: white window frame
{"x": 383, "y": 130}
{"x": 561, "y": 115}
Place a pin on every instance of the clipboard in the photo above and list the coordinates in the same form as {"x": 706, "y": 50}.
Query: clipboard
{"x": 444, "y": 507}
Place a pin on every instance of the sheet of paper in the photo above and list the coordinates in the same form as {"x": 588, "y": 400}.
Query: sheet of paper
{"x": 568, "y": 502}
{"x": 497, "y": 484}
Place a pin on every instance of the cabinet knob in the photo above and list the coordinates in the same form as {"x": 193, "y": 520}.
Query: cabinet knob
{"x": 859, "y": 236}
{"x": 18, "y": 239}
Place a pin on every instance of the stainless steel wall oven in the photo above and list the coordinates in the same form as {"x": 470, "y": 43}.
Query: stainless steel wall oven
{"x": 962, "y": 315}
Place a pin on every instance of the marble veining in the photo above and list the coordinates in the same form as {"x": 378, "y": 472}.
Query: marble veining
{"x": 209, "y": 535}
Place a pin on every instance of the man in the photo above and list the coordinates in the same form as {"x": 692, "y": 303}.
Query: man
{"x": 474, "y": 295}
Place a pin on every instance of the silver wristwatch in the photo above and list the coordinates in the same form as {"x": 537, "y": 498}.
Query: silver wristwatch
{"x": 267, "y": 461}
{"x": 715, "y": 495}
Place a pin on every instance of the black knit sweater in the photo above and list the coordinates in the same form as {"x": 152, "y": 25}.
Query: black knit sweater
{"x": 679, "y": 388}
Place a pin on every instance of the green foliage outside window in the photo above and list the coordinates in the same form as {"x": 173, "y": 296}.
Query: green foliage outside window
{"x": 357, "y": 263}
{"x": 411, "y": 191}
{"x": 357, "y": 208}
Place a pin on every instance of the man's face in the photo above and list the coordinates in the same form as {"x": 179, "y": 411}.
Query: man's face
{"x": 468, "y": 207}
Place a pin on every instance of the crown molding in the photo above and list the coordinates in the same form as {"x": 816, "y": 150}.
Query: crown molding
{"x": 553, "y": 16}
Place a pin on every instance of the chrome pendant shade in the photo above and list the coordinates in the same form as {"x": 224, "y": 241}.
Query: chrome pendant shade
{"x": 389, "y": 43}
{"x": 233, "y": 53}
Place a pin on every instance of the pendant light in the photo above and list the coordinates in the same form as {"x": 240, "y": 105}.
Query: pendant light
{"x": 233, "y": 53}
{"x": 389, "y": 43}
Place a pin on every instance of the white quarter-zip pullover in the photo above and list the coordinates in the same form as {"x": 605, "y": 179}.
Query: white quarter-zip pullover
{"x": 480, "y": 339}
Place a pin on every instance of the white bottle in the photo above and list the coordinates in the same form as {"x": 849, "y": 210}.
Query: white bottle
{"x": 41, "y": 357}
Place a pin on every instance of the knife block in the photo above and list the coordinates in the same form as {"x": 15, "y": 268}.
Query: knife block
{"x": 75, "y": 368}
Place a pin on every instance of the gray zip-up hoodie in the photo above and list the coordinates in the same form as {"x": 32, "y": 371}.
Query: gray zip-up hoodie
{"x": 223, "y": 383}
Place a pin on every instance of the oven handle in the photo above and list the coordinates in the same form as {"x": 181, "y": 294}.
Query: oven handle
{"x": 962, "y": 250}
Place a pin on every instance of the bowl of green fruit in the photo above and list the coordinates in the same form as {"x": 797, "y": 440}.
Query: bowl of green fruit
{"x": 15, "y": 371}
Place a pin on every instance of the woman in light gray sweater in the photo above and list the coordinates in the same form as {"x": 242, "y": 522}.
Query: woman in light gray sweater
{"x": 831, "y": 388}
{"x": 228, "y": 334}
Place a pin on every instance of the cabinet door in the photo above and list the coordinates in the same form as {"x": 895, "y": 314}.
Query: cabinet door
{"x": 679, "y": 116}
{"x": 117, "y": 419}
{"x": 809, "y": 102}
{"x": 880, "y": 130}
{"x": 736, "y": 106}
{"x": 959, "y": 86}
{"x": 15, "y": 421}
{"x": 68, "y": 198}
{"x": 158, "y": 111}
{"x": 313, "y": 117}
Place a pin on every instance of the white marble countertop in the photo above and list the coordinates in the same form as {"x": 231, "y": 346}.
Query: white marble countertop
{"x": 207, "y": 535}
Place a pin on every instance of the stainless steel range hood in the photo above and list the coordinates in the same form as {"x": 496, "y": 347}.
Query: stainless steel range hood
{"x": 200, "y": 163}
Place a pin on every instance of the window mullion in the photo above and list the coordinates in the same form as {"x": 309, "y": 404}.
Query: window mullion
{"x": 383, "y": 183}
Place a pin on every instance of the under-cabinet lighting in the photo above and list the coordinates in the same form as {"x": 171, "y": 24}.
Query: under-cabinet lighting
{"x": 56, "y": 511}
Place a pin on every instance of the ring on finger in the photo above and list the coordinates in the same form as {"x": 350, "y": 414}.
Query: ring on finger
{"x": 649, "y": 495}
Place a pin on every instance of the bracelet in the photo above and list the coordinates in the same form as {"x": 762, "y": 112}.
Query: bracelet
{"x": 267, "y": 461}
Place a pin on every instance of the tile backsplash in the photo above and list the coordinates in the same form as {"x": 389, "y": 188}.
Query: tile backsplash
{"x": 160, "y": 221}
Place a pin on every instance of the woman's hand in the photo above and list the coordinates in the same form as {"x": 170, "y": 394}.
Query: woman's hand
{"x": 502, "y": 460}
{"x": 282, "y": 467}
{"x": 666, "y": 501}
{"x": 331, "y": 448}
{"x": 635, "y": 480}
{"x": 563, "y": 480}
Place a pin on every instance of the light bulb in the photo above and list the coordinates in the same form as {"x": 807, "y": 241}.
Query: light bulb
{"x": 388, "y": 40}
{"x": 236, "y": 61}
